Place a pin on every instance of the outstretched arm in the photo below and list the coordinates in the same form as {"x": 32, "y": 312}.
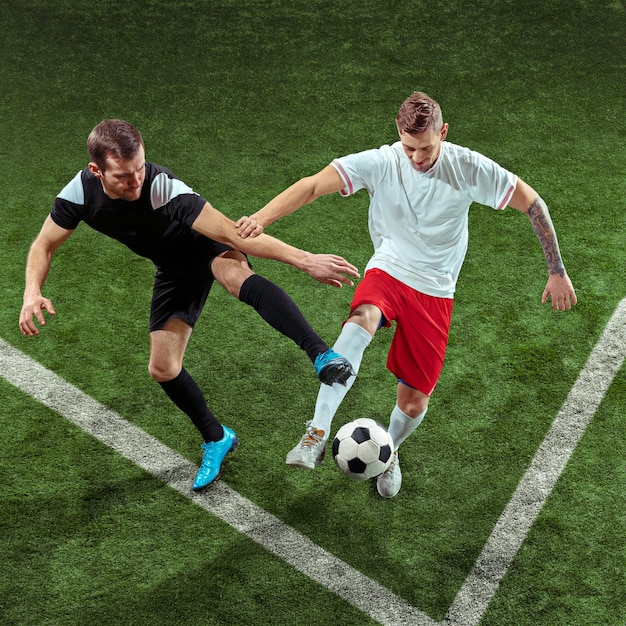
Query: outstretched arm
{"x": 303, "y": 192}
{"x": 325, "y": 268}
{"x": 47, "y": 241}
{"x": 559, "y": 287}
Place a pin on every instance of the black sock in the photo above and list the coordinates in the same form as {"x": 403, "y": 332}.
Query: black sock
{"x": 281, "y": 313}
{"x": 186, "y": 395}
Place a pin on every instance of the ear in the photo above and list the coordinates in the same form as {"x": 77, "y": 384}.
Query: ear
{"x": 444, "y": 132}
{"x": 95, "y": 170}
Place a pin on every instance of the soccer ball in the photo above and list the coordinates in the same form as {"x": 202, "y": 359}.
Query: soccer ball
{"x": 362, "y": 448}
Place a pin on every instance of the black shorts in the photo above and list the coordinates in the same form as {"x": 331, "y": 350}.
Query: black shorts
{"x": 180, "y": 291}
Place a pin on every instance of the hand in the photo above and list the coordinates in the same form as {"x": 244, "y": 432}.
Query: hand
{"x": 34, "y": 307}
{"x": 330, "y": 269}
{"x": 248, "y": 227}
{"x": 561, "y": 291}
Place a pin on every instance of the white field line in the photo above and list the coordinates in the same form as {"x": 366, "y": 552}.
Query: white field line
{"x": 221, "y": 501}
{"x": 299, "y": 551}
{"x": 539, "y": 480}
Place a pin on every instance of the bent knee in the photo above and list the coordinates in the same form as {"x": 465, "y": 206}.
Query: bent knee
{"x": 231, "y": 270}
{"x": 162, "y": 372}
{"x": 415, "y": 405}
{"x": 368, "y": 316}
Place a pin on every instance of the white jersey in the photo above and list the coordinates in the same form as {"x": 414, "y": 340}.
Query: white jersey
{"x": 418, "y": 221}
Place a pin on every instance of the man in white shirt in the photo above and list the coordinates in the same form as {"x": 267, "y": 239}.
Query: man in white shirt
{"x": 421, "y": 189}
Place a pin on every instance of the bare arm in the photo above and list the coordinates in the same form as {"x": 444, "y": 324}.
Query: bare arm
{"x": 325, "y": 268}
{"x": 301, "y": 193}
{"x": 38, "y": 262}
{"x": 559, "y": 287}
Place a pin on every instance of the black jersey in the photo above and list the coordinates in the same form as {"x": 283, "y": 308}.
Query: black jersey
{"x": 156, "y": 226}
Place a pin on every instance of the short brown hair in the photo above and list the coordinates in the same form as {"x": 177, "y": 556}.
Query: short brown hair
{"x": 113, "y": 138}
{"x": 418, "y": 113}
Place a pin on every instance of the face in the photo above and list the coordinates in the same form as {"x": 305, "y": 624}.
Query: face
{"x": 423, "y": 149}
{"x": 122, "y": 178}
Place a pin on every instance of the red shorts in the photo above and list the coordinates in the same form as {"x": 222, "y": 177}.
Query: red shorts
{"x": 419, "y": 343}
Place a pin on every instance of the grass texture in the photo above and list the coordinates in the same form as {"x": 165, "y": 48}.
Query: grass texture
{"x": 240, "y": 100}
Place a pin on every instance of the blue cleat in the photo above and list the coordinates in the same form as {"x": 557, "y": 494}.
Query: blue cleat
{"x": 212, "y": 456}
{"x": 331, "y": 368}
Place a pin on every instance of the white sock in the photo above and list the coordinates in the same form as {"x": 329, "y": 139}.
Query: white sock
{"x": 401, "y": 425}
{"x": 351, "y": 343}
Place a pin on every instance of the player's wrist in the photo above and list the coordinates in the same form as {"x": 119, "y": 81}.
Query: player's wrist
{"x": 260, "y": 220}
{"x": 558, "y": 270}
{"x": 305, "y": 261}
{"x": 30, "y": 295}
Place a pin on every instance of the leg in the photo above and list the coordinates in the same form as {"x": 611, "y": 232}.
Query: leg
{"x": 355, "y": 336}
{"x": 232, "y": 271}
{"x": 372, "y": 305}
{"x": 167, "y": 350}
{"x": 407, "y": 415}
{"x": 417, "y": 352}
{"x": 367, "y": 316}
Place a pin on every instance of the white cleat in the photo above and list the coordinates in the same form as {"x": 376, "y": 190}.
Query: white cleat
{"x": 310, "y": 451}
{"x": 389, "y": 482}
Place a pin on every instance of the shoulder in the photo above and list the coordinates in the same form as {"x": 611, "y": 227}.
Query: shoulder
{"x": 153, "y": 170}
{"x": 465, "y": 157}
{"x": 367, "y": 168}
{"x": 486, "y": 181}
{"x": 465, "y": 164}
{"x": 368, "y": 162}
{"x": 164, "y": 185}
{"x": 69, "y": 205}
{"x": 74, "y": 191}
{"x": 384, "y": 153}
{"x": 459, "y": 154}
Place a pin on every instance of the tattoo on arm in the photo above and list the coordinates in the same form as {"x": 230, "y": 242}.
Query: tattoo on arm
{"x": 544, "y": 229}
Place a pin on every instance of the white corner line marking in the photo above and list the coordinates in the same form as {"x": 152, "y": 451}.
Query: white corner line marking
{"x": 541, "y": 476}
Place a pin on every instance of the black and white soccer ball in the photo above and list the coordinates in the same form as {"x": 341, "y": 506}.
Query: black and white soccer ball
{"x": 362, "y": 448}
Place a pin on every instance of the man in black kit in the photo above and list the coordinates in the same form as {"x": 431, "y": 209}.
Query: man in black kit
{"x": 156, "y": 215}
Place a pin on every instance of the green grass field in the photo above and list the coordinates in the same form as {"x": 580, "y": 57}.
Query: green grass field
{"x": 240, "y": 100}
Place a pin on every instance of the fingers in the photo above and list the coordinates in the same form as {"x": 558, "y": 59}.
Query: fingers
{"x": 339, "y": 264}
{"x": 339, "y": 271}
{"x": 28, "y": 329}
{"x": 248, "y": 227}
{"x": 350, "y": 270}
{"x": 338, "y": 282}
{"x": 561, "y": 292}
{"x": 27, "y": 325}
{"x": 334, "y": 283}
{"x": 342, "y": 280}
{"x": 560, "y": 303}
{"x": 334, "y": 274}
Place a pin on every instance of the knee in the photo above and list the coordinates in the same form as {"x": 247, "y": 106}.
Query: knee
{"x": 232, "y": 283}
{"x": 367, "y": 316}
{"x": 415, "y": 406}
{"x": 163, "y": 371}
{"x": 231, "y": 271}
